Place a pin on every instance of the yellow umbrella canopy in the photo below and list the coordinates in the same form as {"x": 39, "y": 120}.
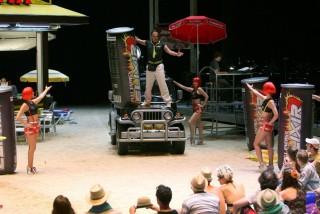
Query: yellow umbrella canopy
{"x": 54, "y": 76}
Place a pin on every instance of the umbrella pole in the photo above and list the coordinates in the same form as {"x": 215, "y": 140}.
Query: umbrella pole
{"x": 197, "y": 49}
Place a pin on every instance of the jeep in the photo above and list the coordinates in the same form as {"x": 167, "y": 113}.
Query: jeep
{"x": 137, "y": 125}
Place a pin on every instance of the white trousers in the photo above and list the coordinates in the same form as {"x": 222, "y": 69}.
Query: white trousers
{"x": 158, "y": 75}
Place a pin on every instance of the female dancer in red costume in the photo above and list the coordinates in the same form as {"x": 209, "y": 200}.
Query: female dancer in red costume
{"x": 269, "y": 115}
{"x": 196, "y": 93}
{"x": 31, "y": 126}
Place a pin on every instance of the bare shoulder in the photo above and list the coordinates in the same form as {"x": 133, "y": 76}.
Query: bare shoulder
{"x": 271, "y": 103}
{"x": 224, "y": 188}
{"x": 200, "y": 90}
{"x": 24, "y": 106}
{"x": 213, "y": 190}
{"x": 240, "y": 185}
{"x": 288, "y": 194}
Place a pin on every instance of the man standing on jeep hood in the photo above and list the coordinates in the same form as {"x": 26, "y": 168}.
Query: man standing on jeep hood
{"x": 155, "y": 67}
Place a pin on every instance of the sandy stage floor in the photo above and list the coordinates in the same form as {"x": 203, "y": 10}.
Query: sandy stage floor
{"x": 80, "y": 155}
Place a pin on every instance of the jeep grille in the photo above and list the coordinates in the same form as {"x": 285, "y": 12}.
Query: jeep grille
{"x": 152, "y": 115}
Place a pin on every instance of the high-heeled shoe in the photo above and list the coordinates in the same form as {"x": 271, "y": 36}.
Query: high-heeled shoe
{"x": 34, "y": 170}
{"x": 200, "y": 141}
{"x": 263, "y": 167}
{"x": 192, "y": 141}
{"x": 31, "y": 170}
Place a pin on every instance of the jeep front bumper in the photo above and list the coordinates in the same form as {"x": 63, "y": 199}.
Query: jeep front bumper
{"x": 164, "y": 134}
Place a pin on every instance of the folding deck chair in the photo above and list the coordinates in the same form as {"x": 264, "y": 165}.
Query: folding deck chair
{"x": 62, "y": 115}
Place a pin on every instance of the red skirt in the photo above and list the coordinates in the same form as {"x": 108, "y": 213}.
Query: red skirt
{"x": 32, "y": 131}
{"x": 265, "y": 126}
{"x": 197, "y": 108}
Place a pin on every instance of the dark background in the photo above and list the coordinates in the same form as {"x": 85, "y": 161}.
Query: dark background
{"x": 281, "y": 37}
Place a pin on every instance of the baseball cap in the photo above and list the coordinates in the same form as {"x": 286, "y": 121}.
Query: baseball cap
{"x": 314, "y": 141}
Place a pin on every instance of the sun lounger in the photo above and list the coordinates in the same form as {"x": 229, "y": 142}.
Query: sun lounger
{"x": 62, "y": 115}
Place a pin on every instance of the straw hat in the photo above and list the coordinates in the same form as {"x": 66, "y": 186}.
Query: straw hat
{"x": 207, "y": 173}
{"x": 97, "y": 195}
{"x": 268, "y": 198}
{"x": 199, "y": 183}
{"x": 314, "y": 141}
{"x": 143, "y": 202}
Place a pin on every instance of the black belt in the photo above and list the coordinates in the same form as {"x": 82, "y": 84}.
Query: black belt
{"x": 155, "y": 63}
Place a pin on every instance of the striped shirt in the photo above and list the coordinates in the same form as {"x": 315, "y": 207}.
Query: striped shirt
{"x": 201, "y": 202}
{"x": 309, "y": 177}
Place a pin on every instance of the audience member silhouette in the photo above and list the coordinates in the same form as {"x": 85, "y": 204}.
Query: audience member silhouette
{"x": 270, "y": 203}
{"x": 267, "y": 180}
{"x": 207, "y": 173}
{"x": 290, "y": 160}
{"x": 309, "y": 177}
{"x": 231, "y": 191}
{"x": 98, "y": 199}
{"x": 62, "y": 205}
{"x": 313, "y": 149}
{"x": 164, "y": 196}
{"x": 200, "y": 201}
{"x": 291, "y": 191}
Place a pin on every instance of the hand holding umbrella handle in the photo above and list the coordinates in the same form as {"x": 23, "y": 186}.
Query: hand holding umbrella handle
{"x": 179, "y": 53}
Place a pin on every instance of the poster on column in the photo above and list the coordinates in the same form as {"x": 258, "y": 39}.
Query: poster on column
{"x": 123, "y": 66}
{"x": 8, "y": 151}
{"x": 295, "y": 117}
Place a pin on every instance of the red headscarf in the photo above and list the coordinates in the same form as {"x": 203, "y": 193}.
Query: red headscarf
{"x": 269, "y": 87}
{"x": 197, "y": 80}
{"x": 27, "y": 93}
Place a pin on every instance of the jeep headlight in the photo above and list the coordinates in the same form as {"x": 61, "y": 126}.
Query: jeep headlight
{"x": 136, "y": 116}
{"x": 167, "y": 115}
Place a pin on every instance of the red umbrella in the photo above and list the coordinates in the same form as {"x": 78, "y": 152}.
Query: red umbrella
{"x": 198, "y": 30}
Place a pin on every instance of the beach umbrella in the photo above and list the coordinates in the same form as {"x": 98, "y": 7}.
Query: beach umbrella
{"x": 198, "y": 30}
{"x": 54, "y": 76}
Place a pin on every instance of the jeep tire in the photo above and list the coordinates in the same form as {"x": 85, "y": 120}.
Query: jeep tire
{"x": 113, "y": 137}
{"x": 178, "y": 147}
{"x": 122, "y": 147}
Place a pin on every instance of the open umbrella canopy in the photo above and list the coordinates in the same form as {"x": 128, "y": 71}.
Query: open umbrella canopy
{"x": 198, "y": 30}
{"x": 54, "y": 76}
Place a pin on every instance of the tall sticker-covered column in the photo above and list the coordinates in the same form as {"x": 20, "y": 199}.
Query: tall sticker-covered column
{"x": 295, "y": 117}
{"x": 123, "y": 65}
{"x": 8, "y": 150}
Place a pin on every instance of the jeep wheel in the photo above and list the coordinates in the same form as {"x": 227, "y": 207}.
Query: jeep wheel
{"x": 178, "y": 147}
{"x": 112, "y": 124}
{"x": 113, "y": 139}
{"x": 123, "y": 147}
